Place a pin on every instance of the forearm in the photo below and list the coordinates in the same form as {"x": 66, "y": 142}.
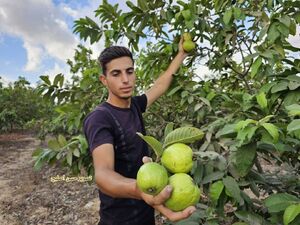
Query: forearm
{"x": 176, "y": 62}
{"x": 165, "y": 79}
{"x": 116, "y": 185}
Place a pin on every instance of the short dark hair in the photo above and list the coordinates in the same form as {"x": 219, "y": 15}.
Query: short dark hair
{"x": 111, "y": 53}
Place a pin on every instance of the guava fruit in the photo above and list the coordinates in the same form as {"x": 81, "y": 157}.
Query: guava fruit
{"x": 184, "y": 194}
{"x": 178, "y": 158}
{"x": 152, "y": 178}
{"x": 188, "y": 45}
{"x": 187, "y": 36}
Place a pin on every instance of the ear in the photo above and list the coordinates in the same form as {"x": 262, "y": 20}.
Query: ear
{"x": 102, "y": 78}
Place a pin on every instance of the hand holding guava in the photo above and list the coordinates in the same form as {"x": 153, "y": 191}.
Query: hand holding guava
{"x": 152, "y": 180}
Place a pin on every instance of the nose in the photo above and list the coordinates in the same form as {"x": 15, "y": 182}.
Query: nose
{"x": 124, "y": 78}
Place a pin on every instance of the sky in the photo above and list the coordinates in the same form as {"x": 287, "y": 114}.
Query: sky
{"x": 36, "y": 36}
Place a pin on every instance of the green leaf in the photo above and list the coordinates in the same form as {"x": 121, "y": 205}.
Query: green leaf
{"x": 240, "y": 223}
{"x": 143, "y": 5}
{"x": 197, "y": 106}
{"x": 291, "y": 98}
{"x": 284, "y": 30}
{"x": 293, "y": 126}
{"x": 76, "y": 152}
{"x": 38, "y": 164}
{"x": 211, "y": 95}
{"x": 205, "y": 101}
{"x": 279, "y": 202}
{"x": 183, "y": 135}
{"x": 272, "y": 129}
{"x": 262, "y": 100}
{"x": 267, "y": 87}
{"x": 243, "y": 159}
{"x": 255, "y": 66}
{"x": 69, "y": 157}
{"x": 280, "y": 50}
{"x": 251, "y": 218}
{"x": 244, "y": 123}
{"x": 238, "y": 14}
{"x": 294, "y": 78}
{"x": 233, "y": 189}
{"x": 46, "y": 79}
{"x": 227, "y": 129}
{"x": 186, "y": 14}
{"x": 265, "y": 119}
{"x": 293, "y": 110}
{"x": 245, "y": 135}
{"x": 58, "y": 79}
{"x": 273, "y": 32}
{"x": 212, "y": 177}
{"x": 293, "y": 85}
{"x": 54, "y": 144}
{"x": 286, "y": 20}
{"x": 174, "y": 90}
{"x": 290, "y": 213}
{"x": 281, "y": 86}
{"x": 62, "y": 141}
{"x": 83, "y": 143}
{"x": 37, "y": 152}
{"x": 154, "y": 144}
{"x": 215, "y": 191}
{"x": 227, "y": 16}
{"x": 168, "y": 129}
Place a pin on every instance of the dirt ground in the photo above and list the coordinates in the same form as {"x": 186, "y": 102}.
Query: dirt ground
{"x": 29, "y": 197}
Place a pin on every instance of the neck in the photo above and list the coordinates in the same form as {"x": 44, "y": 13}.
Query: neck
{"x": 119, "y": 102}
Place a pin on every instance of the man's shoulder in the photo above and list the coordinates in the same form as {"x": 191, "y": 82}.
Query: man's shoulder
{"x": 140, "y": 101}
{"x": 100, "y": 112}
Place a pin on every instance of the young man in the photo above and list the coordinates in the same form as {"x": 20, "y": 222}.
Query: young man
{"x": 117, "y": 151}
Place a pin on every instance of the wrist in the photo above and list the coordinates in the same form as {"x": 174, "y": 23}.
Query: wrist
{"x": 182, "y": 55}
{"x": 137, "y": 192}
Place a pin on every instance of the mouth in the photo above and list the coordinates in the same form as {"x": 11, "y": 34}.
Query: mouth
{"x": 126, "y": 88}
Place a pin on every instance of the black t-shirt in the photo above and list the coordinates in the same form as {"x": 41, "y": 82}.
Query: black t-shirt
{"x": 118, "y": 126}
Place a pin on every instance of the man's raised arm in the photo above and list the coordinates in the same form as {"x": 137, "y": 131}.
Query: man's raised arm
{"x": 163, "y": 82}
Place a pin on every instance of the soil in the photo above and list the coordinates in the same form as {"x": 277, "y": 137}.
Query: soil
{"x": 29, "y": 197}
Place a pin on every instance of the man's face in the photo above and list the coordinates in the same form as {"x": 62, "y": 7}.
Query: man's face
{"x": 120, "y": 77}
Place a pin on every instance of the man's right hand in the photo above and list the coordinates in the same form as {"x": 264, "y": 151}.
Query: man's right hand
{"x": 157, "y": 202}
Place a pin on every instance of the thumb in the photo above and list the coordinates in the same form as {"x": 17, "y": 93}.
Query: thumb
{"x": 146, "y": 159}
{"x": 163, "y": 195}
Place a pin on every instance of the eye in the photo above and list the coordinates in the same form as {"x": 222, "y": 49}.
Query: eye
{"x": 115, "y": 74}
{"x": 130, "y": 71}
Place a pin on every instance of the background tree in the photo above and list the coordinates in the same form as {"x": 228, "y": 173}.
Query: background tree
{"x": 21, "y": 106}
{"x": 249, "y": 109}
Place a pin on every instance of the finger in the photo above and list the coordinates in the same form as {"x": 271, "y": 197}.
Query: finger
{"x": 175, "y": 216}
{"x": 181, "y": 40}
{"x": 163, "y": 195}
{"x": 146, "y": 159}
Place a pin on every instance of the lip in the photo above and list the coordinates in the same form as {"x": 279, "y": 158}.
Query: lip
{"x": 126, "y": 88}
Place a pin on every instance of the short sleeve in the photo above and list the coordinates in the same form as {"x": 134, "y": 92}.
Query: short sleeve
{"x": 141, "y": 101}
{"x": 98, "y": 129}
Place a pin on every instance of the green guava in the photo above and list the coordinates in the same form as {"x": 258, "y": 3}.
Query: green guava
{"x": 188, "y": 45}
{"x": 187, "y": 36}
{"x": 184, "y": 194}
{"x": 152, "y": 178}
{"x": 178, "y": 158}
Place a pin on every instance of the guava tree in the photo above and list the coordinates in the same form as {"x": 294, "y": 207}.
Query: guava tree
{"x": 21, "y": 106}
{"x": 248, "y": 106}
